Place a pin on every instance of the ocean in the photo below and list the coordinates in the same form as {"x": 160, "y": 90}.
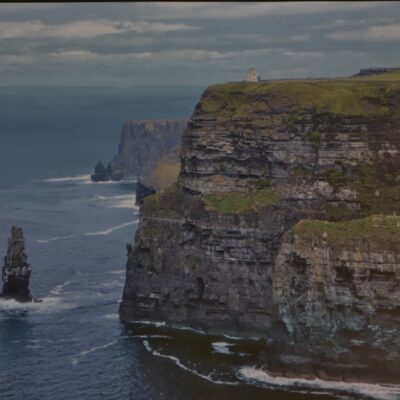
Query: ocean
{"x": 72, "y": 344}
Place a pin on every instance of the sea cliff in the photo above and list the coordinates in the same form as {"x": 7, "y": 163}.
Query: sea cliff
{"x": 283, "y": 225}
{"x": 142, "y": 144}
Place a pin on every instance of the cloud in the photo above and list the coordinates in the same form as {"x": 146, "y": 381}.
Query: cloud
{"x": 381, "y": 33}
{"x": 300, "y": 38}
{"x": 85, "y": 28}
{"x": 303, "y": 54}
{"x": 247, "y": 9}
{"x": 81, "y": 56}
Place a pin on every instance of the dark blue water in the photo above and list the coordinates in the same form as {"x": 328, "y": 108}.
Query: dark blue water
{"x": 72, "y": 345}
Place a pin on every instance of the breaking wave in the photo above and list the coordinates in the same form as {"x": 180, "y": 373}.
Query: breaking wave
{"x": 222, "y": 347}
{"x": 112, "y": 229}
{"x": 260, "y": 377}
{"x": 75, "y": 359}
{"x": 178, "y": 362}
{"x": 121, "y": 201}
{"x": 77, "y": 178}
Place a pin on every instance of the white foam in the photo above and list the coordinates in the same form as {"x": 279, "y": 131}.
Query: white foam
{"x": 259, "y": 376}
{"x": 222, "y": 347}
{"x": 36, "y": 341}
{"x": 54, "y": 238}
{"x": 117, "y": 271}
{"x": 58, "y": 288}
{"x": 150, "y": 336}
{"x": 154, "y": 323}
{"x": 120, "y": 201}
{"x": 113, "y": 316}
{"x": 75, "y": 360}
{"x": 89, "y": 181}
{"x": 46, "y": 305}
{"x": 85, "y": 179}
{"x": 178, "y": 362}
{"x": 162, "y": 323}
{"x": 77, "y": 178}
{"x": 128, "y": 202}
{"x": 98, "y": 233}
{"x": 234, "y": 337}
{"x": 112, "y": 229}
{"x": 49, "y": 304}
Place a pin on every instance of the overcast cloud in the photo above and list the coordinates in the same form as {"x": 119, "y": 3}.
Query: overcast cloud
{"x": 129, "y": 44}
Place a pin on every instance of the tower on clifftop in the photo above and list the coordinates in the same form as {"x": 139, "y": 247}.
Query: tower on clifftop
{"x": 252, "y": 75}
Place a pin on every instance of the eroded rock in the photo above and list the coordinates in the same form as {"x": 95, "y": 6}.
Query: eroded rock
{"x": 16, "y": 271}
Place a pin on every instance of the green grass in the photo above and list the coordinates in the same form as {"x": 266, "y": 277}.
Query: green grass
{"x": 337, "y": 96}
{"x": 380, "y": 231}
{"x": 163, "y": 204}
{"x": 238, "y": 202}
{"x": 377, "y": 191}
{"x": 335, "y": 177}
{"x": 314, "y": 138}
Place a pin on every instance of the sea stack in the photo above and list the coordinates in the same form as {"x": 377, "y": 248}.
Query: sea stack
{"x": 100, "y": 173}
{"x": 16, "y": 271}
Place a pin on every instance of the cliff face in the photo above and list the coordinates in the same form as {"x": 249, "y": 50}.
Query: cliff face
{"x": 226, "y": 249}
{"x": 142, "y": 143}
{"x": 337, "y": 287}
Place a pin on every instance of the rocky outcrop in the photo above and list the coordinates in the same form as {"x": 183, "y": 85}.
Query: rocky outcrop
{"x": 142, "y": 144}
{"x": 376, "y": 71}
{"x": 142, "y": 191}
{"x": 16, "y": 271}
{"x": 100, "y": 173}
{"x": 222, "y": 249}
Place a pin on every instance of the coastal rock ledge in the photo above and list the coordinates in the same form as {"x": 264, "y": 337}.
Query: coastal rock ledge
{"x": 283, "y": 225}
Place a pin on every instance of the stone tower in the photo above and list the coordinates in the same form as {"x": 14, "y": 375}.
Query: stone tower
{"x": 252, "y": 75}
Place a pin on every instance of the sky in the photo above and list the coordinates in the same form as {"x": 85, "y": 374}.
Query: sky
{"x": 167, "y": 43}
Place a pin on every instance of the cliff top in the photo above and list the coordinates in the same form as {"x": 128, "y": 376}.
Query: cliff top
{"x": 378, "y": 231}
{"x": 155, "y": 121}
{"x": 363, "y": 95}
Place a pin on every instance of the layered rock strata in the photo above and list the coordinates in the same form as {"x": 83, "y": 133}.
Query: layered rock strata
{"x": 16, "y": 271}
{"x": 222, "y": 250}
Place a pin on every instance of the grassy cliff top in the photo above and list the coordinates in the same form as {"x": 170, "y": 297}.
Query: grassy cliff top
{"x": 379, "y": 231}
{"x": 346, "y": 96}
{"x": 238, "y": 202}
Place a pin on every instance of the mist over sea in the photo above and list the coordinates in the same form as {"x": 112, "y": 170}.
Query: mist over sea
{"x": 72, "y": 345}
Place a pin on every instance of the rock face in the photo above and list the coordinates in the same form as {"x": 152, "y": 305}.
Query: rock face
{"x": 142, "y": 191}
{"x": 100, "y": 173}
{"x": 376, "y": 71}
{"x": 16, "y": 271}
{"x": 227, "y": 248}
{"x": 339, "y": 296}
{"x": 142, "y": 144}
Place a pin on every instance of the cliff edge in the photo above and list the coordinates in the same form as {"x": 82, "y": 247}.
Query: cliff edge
{"x": 283, "y": 224}
{"x": 142, "y": 144}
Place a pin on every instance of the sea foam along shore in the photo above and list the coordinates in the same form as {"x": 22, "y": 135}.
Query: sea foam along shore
{"x": 261, "y": 377}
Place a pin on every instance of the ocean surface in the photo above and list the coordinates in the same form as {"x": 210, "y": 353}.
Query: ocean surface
{"x": 72, "y": 344}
